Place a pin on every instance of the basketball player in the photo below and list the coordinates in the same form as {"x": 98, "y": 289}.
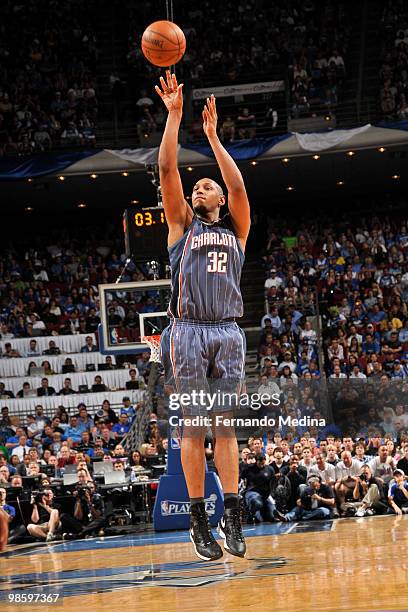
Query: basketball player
{"x": 203, "y": 345}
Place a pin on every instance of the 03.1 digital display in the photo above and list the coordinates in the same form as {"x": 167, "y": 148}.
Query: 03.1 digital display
{"x": 148, "y": 217}
{"x": 145, "y": 232}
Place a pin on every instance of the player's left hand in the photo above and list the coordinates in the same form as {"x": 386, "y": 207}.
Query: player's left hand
{"x": 210, "y": 117}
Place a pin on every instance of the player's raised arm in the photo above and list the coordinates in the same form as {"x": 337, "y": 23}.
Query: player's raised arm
{"x": 178, "y": 213}
{"x": 238, "y": 204}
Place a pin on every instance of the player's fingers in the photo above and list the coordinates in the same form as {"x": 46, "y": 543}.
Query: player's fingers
{"x": 159, "y": 91}
{"x": 164, "y": 85}
{"x": 174, "y": 81}
{"x": 168, "y": 79}
{"x": 210, "y": 109}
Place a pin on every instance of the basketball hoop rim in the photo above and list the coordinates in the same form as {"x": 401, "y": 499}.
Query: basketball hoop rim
{"x": 153, "y": 342}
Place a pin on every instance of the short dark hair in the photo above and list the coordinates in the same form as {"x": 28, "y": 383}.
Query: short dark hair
{"x": 260, "y": 457}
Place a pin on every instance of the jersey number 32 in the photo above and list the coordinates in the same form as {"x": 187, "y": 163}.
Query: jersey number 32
{"x": 218, "y": 261}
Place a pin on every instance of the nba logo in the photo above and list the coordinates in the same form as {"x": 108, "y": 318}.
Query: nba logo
{"x": 175, "y": 443}
{"x": 175, "y": 438}
{"x": 114, "y": 337}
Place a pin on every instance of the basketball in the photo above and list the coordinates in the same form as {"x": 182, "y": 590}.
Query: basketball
{"x": 163, "y": 43}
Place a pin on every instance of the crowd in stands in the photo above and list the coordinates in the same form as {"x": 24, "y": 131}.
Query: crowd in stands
{"x": 355, "y": 277}
{"x": 48, "y": 54}
{"x": 241, "y": 43}
{"x": 394, "y": 61}
{"x": 35, "y": 457}
{"x": 52, "y": 289}
{"x": 306, "y": 479}
{"x": 317, "y": 44}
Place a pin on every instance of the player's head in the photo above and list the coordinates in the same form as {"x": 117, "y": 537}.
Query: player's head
{"x": 207, "y": 197}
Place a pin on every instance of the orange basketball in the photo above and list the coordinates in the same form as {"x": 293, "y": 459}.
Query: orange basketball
{"x": 163, "y": 43}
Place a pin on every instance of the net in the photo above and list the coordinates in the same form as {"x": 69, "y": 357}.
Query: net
{"x": 153, "y": 342}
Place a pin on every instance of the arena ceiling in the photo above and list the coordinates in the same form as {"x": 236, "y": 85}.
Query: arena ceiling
{"x": 300, "y": 180}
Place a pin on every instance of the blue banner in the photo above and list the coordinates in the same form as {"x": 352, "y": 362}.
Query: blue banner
{"x": 242, "y": 149}
{"x": 18, "y": 168}
{"x": 394, "y": 125}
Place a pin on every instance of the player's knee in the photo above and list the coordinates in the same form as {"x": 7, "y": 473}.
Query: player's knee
{"x": 194, "y": 433}
{"x": 223, "y": 426}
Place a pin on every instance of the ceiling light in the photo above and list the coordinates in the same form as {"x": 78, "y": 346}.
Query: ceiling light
{"x": 134, "y": 201}
{"x": 254, "y": 163}
{"x": 340, "y": 183}
{"x": 61, "y": 178}
{"x": 29, "y": 180}
{"x": 190, "y": 168}
{"x": 395, "y": 177}
{"x": 290, "y": 188}
{"x": 286, "y": 160}
{"x": 316, "y": 156}
{"x": 29, "y": 209}
{"x": 94, "y": 176}
{"x": 125, "y": 173}
{"x": 381, "y": 149}
{"x": 81, "y": 205}
{"x": 327, "y": 117}
{"x": 350, "y": 153}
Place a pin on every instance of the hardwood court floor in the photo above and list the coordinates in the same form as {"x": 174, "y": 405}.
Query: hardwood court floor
{"x": 349, "y": 564}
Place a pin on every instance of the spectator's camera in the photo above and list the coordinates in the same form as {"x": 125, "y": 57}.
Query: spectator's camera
{"x": 36, "y": 496}
{"x": 363, "y": 477}
{"x": 81, "y": 492}
{"x": 99, "y": 412}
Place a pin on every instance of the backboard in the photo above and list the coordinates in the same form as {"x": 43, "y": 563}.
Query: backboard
{"x": 129, "y": 311}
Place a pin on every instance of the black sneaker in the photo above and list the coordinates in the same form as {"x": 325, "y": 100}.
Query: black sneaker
{"x": 230, "y": 529}
{"x": 205, "y": 545}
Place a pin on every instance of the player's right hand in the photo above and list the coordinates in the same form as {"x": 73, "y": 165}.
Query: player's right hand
{"x": 171, "y": 92}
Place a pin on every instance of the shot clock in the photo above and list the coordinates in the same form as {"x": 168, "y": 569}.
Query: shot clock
{"x": 145, "y": 233}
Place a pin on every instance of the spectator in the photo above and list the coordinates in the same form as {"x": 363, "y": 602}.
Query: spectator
{"x": 45, "y": 390}
{"x": 128, "y": 409}
{"x": 121, "y": 428}
{"x": 22, "y": 448}
{"x": 383, "y": 465}
{"x": 315, "y": 502}
{"x": 367, "y": 494}
{"x": 98, "y": 385}
{"x": 246, "y": 124}
{"x": 133, "y": 383}
{"x": 325, "y": 471}
{"x": 67, "y": 388}
{"x": 45, "y": 518}
{"x": 346, "y": 471}
{"x": 398, "y": 493}
{"x": 89, "y": 347}
{"x": 259, "y": 480}
{"x": 74, "y": 431}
